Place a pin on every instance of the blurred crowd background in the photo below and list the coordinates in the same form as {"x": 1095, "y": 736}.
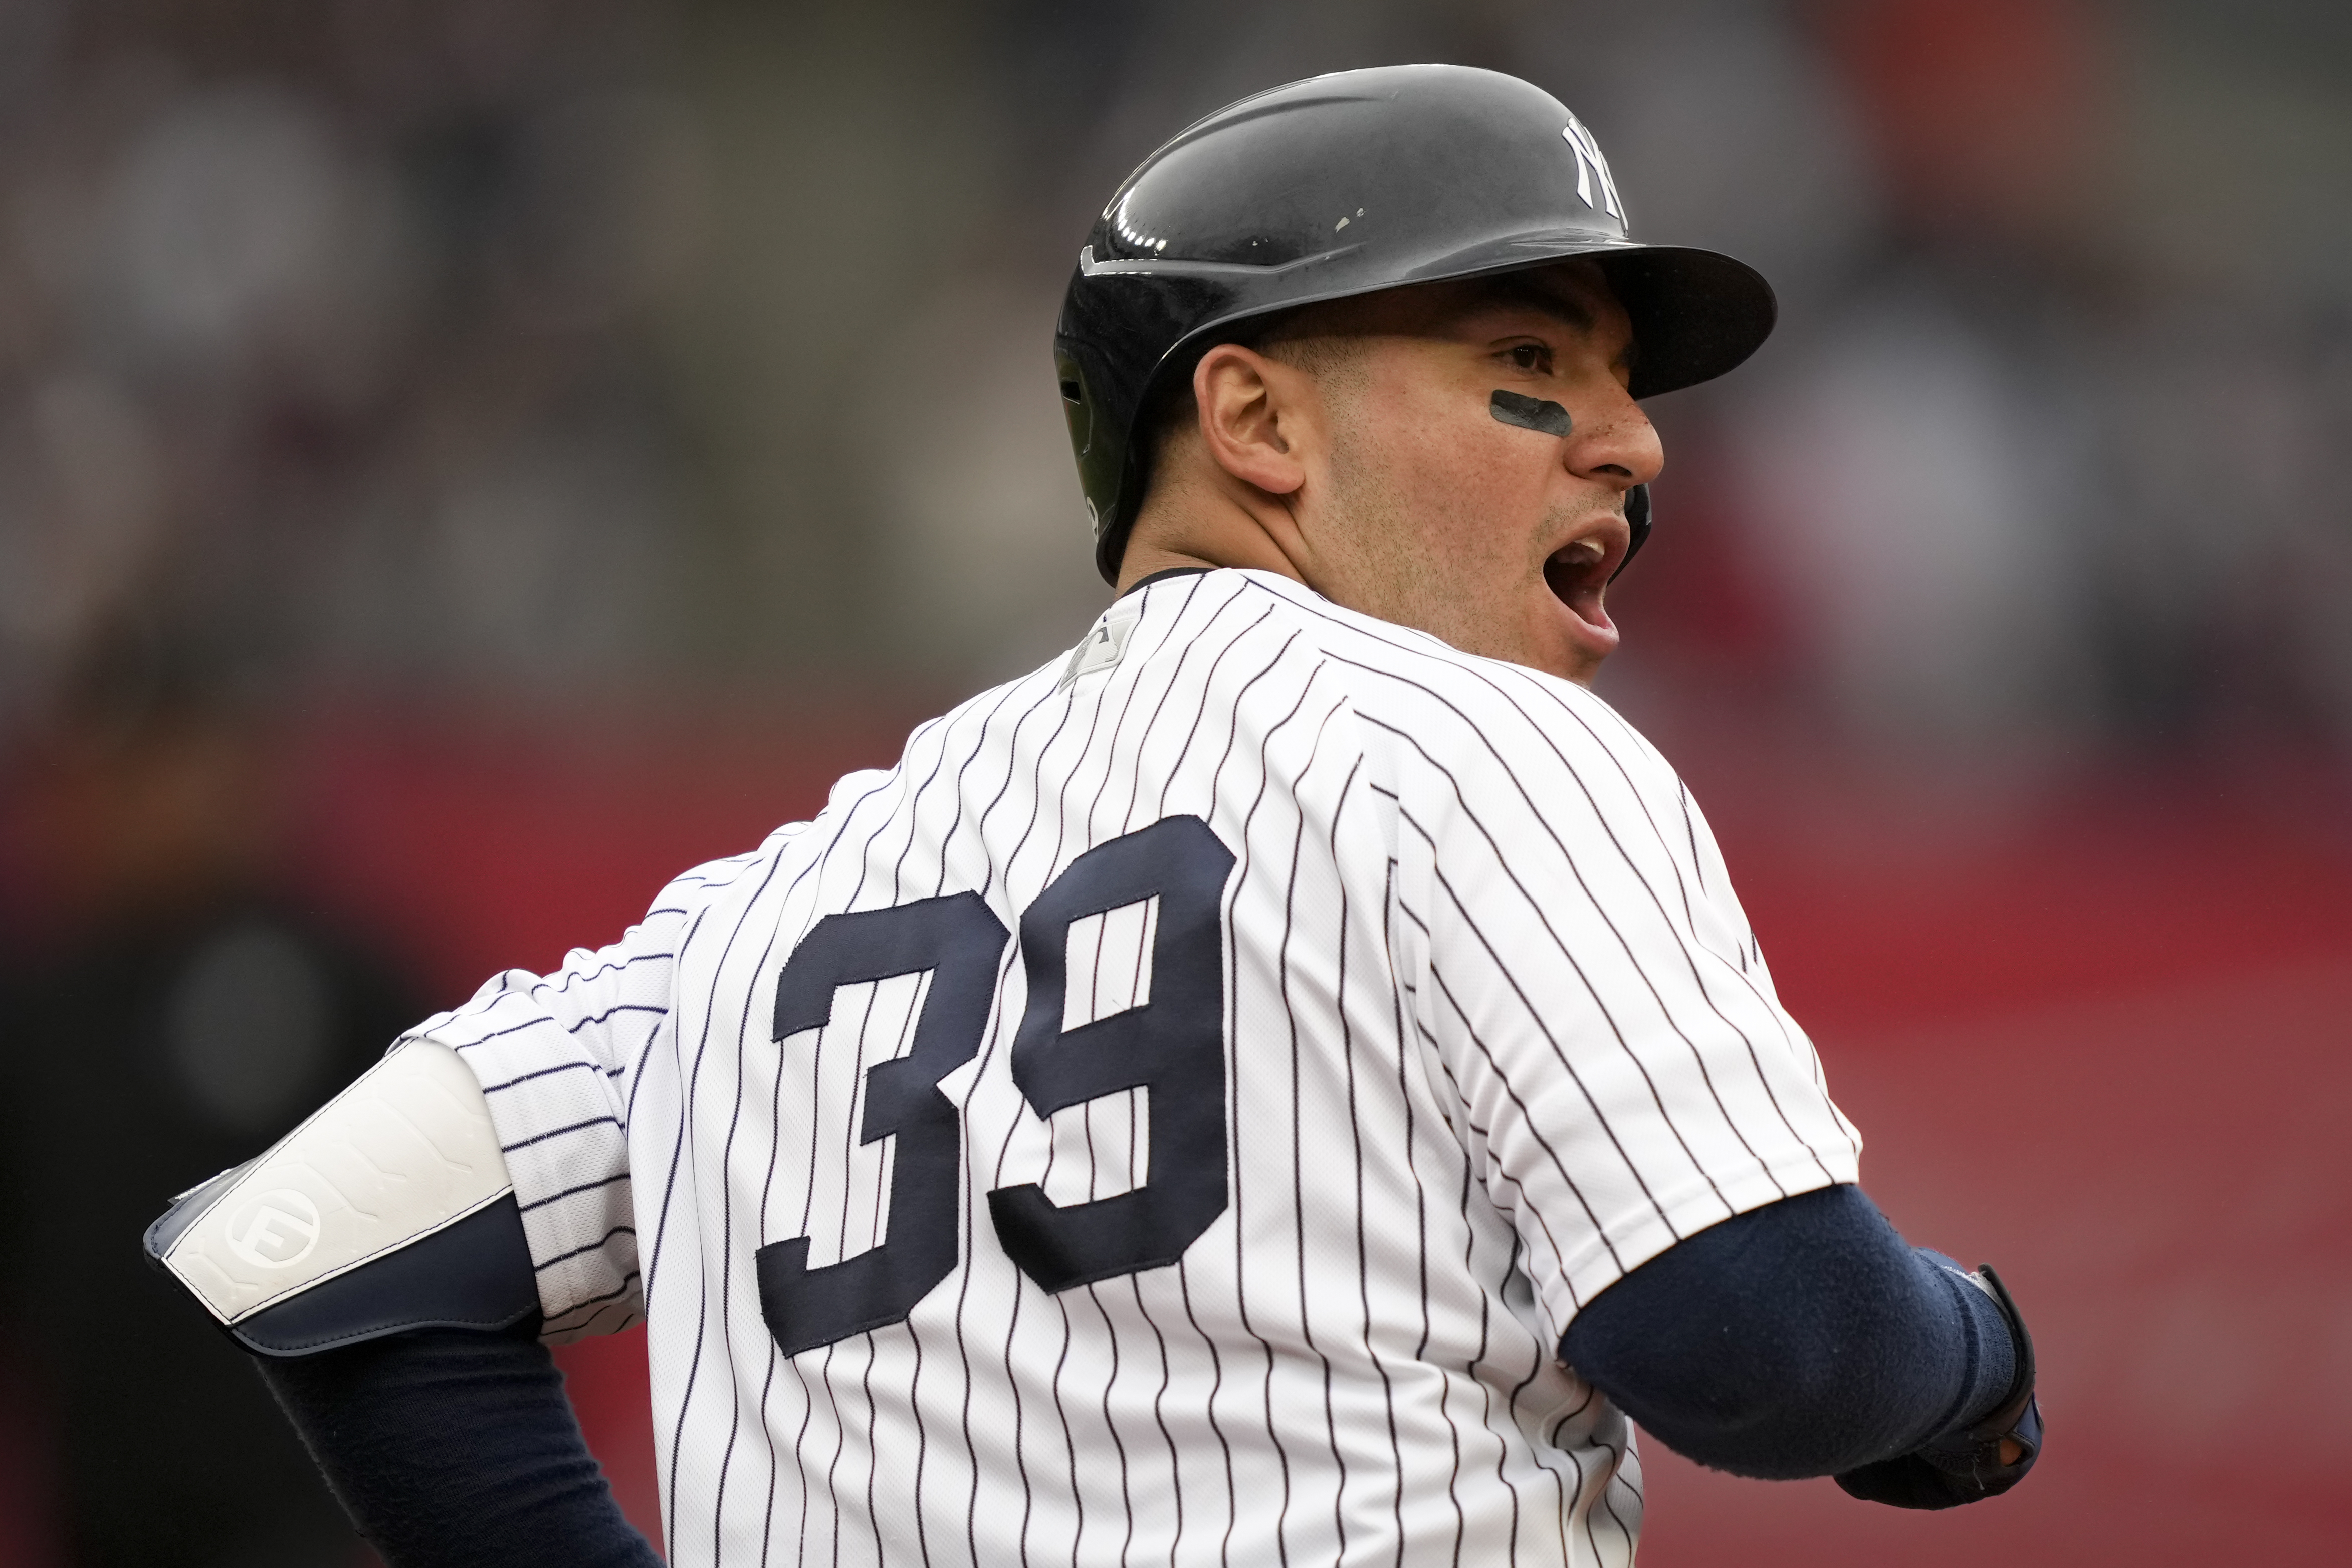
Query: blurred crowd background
{"x": 463, "y": 460}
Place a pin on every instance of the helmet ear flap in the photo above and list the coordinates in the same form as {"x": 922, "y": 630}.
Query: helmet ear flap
{"x": 1100, "y": 449}
{"x": 1637, "y": 518}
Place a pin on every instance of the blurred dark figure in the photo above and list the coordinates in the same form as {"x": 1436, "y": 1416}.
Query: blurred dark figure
{"x": 168, "y": 1015}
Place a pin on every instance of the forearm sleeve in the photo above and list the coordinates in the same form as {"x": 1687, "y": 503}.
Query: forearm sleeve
{"x": 1803, "y": 1338}
{"x": 452, "y": 1449}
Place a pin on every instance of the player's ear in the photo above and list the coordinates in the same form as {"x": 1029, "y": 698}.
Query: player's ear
{"x": 1251, "y": 411}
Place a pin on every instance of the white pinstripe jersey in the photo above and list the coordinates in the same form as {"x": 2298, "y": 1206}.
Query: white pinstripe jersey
{"x": 1172, "y": 1116}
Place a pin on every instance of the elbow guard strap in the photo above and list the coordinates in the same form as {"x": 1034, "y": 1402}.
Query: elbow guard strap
{"x": 1967, "y": 1466}
{"x": 389, "y": 1209}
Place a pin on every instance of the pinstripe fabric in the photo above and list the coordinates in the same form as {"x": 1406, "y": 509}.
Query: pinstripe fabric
{"x": 1495, "y": 1029}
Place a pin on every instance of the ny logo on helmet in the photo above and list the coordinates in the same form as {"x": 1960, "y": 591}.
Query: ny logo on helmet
{"x": 1591, "y": 166}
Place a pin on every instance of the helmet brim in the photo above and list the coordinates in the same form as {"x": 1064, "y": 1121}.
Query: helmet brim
{"x": 1696, "y": 313}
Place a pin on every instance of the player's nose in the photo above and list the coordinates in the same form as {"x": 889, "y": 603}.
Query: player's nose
{"x": 1618, "y": 443}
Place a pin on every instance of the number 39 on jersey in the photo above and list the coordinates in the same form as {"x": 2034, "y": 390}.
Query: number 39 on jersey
{"x": 1171, "y": 1045}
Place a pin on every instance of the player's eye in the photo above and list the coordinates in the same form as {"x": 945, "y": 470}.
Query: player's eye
{"x": 1529, "y": 356}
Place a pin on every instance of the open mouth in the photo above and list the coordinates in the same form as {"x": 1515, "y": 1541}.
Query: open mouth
{"x": 1578, "y": 573}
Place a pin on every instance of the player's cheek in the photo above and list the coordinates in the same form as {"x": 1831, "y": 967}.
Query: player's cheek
{"x": 1485, "y": 473}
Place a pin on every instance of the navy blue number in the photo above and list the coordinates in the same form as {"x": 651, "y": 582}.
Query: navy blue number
{"x": 959, "y": 940}
{"x": 1173, "y": 1045}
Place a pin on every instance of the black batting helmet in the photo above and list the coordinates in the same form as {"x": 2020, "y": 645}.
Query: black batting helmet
{"x": 1344, "y": 185}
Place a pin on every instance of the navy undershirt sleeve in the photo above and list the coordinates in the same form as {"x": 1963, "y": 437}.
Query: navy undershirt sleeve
{"x": 457, "y": 1449}
{"x": 1804, "y": 1338}
{"x": 1801, "y": 1339}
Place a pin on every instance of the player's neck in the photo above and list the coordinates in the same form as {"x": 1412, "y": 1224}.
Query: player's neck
{"x": 1169, "y": 537}
{"x": 1139, "y": 563}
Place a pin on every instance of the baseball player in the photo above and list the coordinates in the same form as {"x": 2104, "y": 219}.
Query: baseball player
{"x": 1282, "y": 1084}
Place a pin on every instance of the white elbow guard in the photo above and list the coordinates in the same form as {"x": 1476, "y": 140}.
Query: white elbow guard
{"x": 389, "y": 1209}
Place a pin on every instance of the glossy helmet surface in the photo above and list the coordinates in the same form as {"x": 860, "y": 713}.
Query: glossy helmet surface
{"x": 1343, "y": 185}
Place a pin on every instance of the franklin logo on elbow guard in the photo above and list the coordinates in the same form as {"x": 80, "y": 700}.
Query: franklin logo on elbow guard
{"x": 277, "y": 1231}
